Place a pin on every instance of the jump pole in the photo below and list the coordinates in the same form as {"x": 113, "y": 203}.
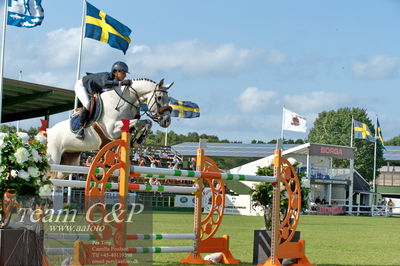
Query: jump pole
{"x": 208, "y": 244}
{"x": 162, "y": 173}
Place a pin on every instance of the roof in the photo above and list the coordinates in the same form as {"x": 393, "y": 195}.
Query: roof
{"x": 229, "y": 149}
{"x": 360, "y": 184}
{"x": 23, "y": 100}
{"x": 392, "y": 153}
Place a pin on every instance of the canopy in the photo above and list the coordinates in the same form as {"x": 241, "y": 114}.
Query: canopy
{"x": 23, "y": 100}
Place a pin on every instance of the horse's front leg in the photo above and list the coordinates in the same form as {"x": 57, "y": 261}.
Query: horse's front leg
{"x": 142, "y": 129}
{"x": 138, "y": 124}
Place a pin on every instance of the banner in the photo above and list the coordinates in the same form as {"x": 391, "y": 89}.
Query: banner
{"x": 184, "y": 201}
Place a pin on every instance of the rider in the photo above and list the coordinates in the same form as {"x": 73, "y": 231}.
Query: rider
{"x": 95, "y": 83}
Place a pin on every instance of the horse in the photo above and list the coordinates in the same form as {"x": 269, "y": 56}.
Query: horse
{"x": 121, "y": 102}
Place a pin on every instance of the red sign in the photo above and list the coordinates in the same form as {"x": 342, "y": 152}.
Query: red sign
{"x": 331, "y": 151}
{"x": 334, "y": 151}
{"x": 331, "y": 210}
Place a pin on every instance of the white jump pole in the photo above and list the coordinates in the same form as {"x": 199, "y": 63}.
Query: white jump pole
{"x": 136, "y": 187}
{"x": 168, "y": 173}
{"x": 73, "y": 237}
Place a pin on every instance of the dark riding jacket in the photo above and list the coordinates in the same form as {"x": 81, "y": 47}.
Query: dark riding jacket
{"x": 95, "y": 83}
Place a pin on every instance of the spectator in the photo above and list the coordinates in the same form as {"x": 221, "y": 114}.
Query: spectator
{"x": 193, "y": 163}
{"x": 153, "y": 181}
{"x": 142, "y": 162}
{"x": 152, "y": 161}
{"x": 317, "y": 200}
{"x": 136, "y": 157}
{"x": 158, "y": 160}
{"x": 175, "y": 162}
{"x": 164, "y": 154}
{"x": 89, "y": 161}
{"x": 390, "y": 204}
{"x": 323, "y": 201}
{"x": 146, "y": 152}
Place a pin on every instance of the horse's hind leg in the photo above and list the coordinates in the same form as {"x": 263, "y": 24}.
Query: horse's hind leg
{"x": 69, "y": 158}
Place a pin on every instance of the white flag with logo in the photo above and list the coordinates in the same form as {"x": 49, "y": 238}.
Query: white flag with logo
{"x": 293, "y": 122}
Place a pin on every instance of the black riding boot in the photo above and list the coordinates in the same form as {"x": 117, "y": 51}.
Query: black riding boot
{"x": 84, "y": 117}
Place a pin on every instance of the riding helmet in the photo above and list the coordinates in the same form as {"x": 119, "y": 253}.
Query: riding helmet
{"x": 120, "y": 66}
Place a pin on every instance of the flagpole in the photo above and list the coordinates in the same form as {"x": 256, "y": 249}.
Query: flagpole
{"x": 283, "y": 113}
{"x": 374, "y": 174}
{"x": 351, "y": 166}
{"x": 78, "y": 71}
{"x": 2, "y": 56}
{"x": 352, "y": 129}
{"x": 166, "y": 137}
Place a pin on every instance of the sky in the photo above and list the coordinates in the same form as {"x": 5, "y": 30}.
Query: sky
{"x": 240, "y": 61}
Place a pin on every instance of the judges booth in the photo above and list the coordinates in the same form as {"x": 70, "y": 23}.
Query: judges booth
{"x": 330, "y": 186}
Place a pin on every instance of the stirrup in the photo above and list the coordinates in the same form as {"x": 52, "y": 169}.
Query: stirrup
{"x": 80, "y": 134}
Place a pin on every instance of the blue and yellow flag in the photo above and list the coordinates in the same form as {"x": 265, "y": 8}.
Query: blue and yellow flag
{"x": 379, "y": 133}
{"x": 184, "y": 109}
{"x": 181, "y": 109}
{"x": 361, "y": 131}
{"x": 104, "y": 28}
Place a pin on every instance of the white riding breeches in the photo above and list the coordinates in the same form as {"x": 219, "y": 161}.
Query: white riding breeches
{"x": 82, "y": 94}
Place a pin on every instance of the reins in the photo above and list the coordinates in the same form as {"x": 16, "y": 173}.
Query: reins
{"x": 160, "y": 109}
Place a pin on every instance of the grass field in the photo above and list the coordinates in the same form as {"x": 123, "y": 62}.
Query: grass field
{"x": 330, "y": 240}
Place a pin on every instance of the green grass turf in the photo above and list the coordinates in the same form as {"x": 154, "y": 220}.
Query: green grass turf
{"x": 330, "y": 240}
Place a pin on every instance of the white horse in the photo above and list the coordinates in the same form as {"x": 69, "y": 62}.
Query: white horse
{"x": 118, "y": 103}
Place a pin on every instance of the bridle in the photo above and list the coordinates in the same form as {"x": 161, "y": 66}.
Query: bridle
{"x": 161, "y": 109}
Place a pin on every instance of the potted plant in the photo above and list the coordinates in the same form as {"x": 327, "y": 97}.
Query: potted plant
{"x": 23, "y": 174}
{"x": 262, "y": 197}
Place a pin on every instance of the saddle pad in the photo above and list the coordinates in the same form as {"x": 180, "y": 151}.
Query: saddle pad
{"x": 75, "y": 118}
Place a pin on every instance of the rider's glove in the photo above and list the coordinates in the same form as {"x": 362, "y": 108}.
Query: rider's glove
{"x": 127, "y": 82}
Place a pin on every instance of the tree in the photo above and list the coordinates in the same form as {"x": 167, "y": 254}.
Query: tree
{"x": 393, "y": 141}
{"x": 8, "y": 129}
{"x": 262, "y": 195}
{"x": 288, "y": 141}
{"x": 257, "y": 142}
{"x": 32, "y": 132}
{"x": 334, "y": 127}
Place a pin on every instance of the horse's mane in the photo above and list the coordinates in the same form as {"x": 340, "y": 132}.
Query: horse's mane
{"x": 145, "y": 79}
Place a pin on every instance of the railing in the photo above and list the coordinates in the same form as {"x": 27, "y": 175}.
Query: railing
{"x": 326, "y": 173}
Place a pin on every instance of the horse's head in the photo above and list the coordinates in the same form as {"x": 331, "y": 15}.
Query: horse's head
{"x": 158, "y": 104}
{"x": 157, "y": 100}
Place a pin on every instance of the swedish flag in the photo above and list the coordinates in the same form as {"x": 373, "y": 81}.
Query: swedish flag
{"x": 361, "y": 131}
{"x": 104, "y": 28}
{"x": 379, "y": 133}
{"x": 184, "y": 109}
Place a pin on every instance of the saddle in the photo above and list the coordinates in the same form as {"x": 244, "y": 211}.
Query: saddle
{"x": 95, "y": 110}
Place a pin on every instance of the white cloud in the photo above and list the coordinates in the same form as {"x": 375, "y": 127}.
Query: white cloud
{"x": 316, "y": 101}
{"x": 59, "y": 52}
{"x": 62, "y": 47}
{"x": 253, "y": 100}
{"x": 376, "y": 67}
{"x": 276, "y": 57}
{"x": 56, "y": 79}
{"x": 193, "y": 58}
